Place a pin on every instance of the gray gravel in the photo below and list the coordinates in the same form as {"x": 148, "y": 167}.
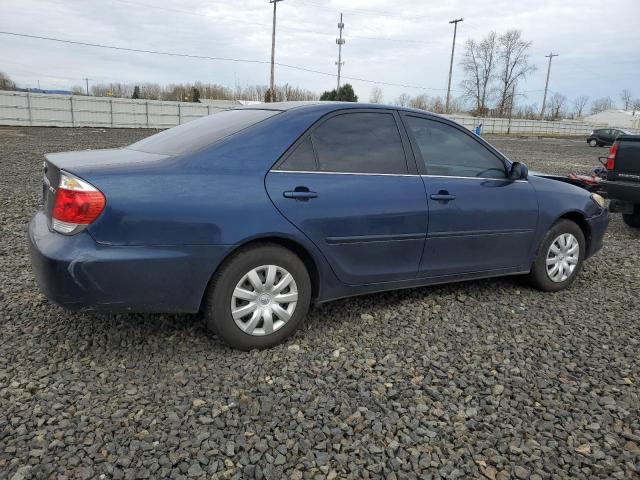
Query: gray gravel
{"x": 485, "y": 378}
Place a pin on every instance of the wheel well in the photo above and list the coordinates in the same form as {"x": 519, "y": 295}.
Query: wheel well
{"x": 290, "y": 245}
{"x": 579, "y": 219}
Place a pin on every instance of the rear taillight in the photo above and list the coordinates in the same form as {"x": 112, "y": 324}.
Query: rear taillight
{"x": 76, "y": 204}
{"x": 611, "y": 159}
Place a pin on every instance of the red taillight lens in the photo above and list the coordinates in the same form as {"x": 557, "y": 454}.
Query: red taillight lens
{"x": 76, "y": 207}
{"x": 611, "y": 159}
{"x": 76, "y": 204}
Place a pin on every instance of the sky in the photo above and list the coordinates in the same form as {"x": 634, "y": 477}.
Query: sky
{"x": 403, "y": 42}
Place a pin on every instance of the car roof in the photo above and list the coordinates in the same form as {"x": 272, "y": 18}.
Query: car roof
{"x": 328, "y": 106}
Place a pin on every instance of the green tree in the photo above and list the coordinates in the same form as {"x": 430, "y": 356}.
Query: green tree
{"x": 136, "y": 92}
{"x": 329, "y": 96}
{"x": 344, "y": 94}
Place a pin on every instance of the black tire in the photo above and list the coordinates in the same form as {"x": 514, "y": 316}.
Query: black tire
{"x": 219, "y": 295}
{"x": 593, "y": 143}
{"x": 632, "y": 219}
{"x": 538, "y": 277}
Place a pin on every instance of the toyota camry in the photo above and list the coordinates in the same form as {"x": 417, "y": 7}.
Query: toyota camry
{"x": 251, "y": 215}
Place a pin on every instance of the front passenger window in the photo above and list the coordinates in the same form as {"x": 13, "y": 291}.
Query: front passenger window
{"x": 447, "y": 151}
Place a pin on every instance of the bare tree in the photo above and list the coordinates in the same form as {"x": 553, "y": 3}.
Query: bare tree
{"x": 627, "y": 99}
{"x": 421, "y": 102}
{"x": 78, "y": 90}
{"x": 6, "y": 83}
{"x": 556, "y": 106}
{"x": 437, "y": 105}
{"x": 530, "y": 112}
{"x": 478, "y": 64}
{"x": 513, "y": 65}
{"x": 403, "y": 100}
{"x": 601, "y": 104}
{"x": 376, "y": 95}
{"x": 579, "y": 103}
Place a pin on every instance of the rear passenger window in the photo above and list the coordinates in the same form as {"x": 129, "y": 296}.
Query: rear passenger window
{"x": 360, "y": 143}
{"x": 447, "y": 151}
{"x": 302, "y": 159}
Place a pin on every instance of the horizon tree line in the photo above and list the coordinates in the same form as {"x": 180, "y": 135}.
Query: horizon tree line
{"x": 492, "y": 68}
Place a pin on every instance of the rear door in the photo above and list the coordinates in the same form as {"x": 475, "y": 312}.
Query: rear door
{"x": 479, "y": 221}
{"x": 350, "y": 184}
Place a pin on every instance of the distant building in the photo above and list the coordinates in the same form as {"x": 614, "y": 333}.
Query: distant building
{"x": 41, "y": 90}
{"x": 615, "y": 118}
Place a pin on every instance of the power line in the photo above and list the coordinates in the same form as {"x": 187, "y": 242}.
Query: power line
{"x": 206, "y": 57}
{"x": 207, "y": 15}
{"x": 286, "y": 28}
{"x": 360, "y": 11}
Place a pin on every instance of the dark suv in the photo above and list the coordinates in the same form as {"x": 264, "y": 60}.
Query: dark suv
{"x": 604, "y": 136}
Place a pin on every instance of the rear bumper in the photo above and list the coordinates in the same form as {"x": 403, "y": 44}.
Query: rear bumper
{"x": 78, "y": 273}
{"x": 598, "y": 226}
{"x": 621, "y": 190}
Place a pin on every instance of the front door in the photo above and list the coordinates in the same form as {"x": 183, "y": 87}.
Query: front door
{"x": 348, "y": 187}
{"x": 479, "y": 221}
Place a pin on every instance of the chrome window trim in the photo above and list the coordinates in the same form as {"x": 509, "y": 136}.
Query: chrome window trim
{"x": 472, "y": 178}
{"x": 348, "y": 173}
{"x": 396, "y": 175}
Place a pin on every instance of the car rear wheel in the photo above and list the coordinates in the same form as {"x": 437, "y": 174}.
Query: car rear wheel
{"x": 593, "y": 142}
{"x": 559, "y": 258}
{"x": 259, "y": 297}
{"x": 632, "y": 219}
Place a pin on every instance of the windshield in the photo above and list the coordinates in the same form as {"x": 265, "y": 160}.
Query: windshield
{"x": 198, "y": 134}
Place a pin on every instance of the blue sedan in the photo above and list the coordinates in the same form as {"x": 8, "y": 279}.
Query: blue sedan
{"x": 252, "y": 214}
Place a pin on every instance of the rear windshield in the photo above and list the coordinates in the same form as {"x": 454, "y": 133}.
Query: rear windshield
{"x": 198, "y": 134}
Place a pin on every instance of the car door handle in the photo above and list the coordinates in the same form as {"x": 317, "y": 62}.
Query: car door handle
{"x": 300, "y": 193}
{"x": 442, "y": 196}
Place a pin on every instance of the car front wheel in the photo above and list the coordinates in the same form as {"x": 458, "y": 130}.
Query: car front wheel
{"x": 259, "y": 297}
{"x": 593, "y": 142}
{"x": 559, "y": 258}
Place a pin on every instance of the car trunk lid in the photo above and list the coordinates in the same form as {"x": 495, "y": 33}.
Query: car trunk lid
{"x": 88, "y": 165}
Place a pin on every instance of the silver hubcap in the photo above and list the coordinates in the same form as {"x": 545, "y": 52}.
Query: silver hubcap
{"x": 562, "y": 257}
{"x": 264, "y": 300}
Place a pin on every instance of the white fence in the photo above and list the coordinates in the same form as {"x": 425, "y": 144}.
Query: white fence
{"x": 40, "y": 109}
{"x": 524, "y": 127}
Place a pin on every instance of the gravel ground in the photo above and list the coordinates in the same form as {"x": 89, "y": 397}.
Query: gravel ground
{"x": 480, "y": 379}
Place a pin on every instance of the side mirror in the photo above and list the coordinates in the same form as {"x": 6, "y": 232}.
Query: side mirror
{"x": 519, "y": 171}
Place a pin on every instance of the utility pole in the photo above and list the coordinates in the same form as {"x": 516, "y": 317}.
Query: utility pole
{"x": 272, "y": 94}
{"x": 87, "y": 82}
{"x": 340, "y": 41}
{"x": 453, "y": 47}
{"x": 513, "y": 99}
{"x": 546, "y": 85}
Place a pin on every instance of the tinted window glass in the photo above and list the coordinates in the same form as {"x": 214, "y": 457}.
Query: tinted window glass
{"x": 360, "y": 143}
{"x": 301, "y": 159}
{"x": 197, "y": 134}
{"x": 451, "y": 152}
